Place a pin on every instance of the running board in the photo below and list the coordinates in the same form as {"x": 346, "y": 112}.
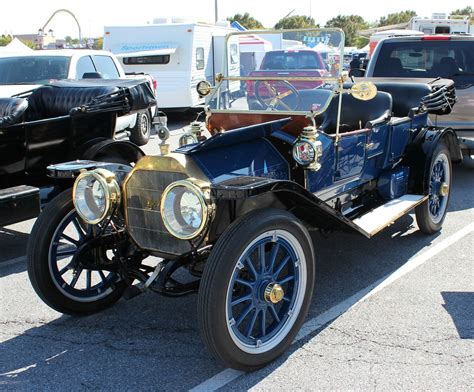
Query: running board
{"x": 381, "y": 217}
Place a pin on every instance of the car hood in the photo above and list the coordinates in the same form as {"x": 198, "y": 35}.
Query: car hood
{"x": 12, "y": 89}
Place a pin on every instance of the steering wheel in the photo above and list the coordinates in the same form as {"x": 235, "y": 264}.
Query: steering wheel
{"x": 270, "y": 95}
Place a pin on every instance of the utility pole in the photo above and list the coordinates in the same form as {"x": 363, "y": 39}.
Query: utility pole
{"x": 216, "y": 11}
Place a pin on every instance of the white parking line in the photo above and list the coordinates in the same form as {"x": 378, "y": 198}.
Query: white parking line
{"x": 228, "y": 375}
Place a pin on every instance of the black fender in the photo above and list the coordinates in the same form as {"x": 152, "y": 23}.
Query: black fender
{"x": 251, "y": 193}
{"x": 419, "y": 154}
{"x": 109, "y": 148}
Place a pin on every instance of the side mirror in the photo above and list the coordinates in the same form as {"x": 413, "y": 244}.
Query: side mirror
{"x": 357, "y": 72}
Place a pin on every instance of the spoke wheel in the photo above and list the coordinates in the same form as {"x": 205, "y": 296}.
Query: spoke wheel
{"x": 256, "y": 289}
{"x": 62, "y": 269}
{"x": 430, "y": 215}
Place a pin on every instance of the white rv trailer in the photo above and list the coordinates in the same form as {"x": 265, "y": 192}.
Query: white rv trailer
{"x": 440, "y": 24}
{"x": 178, "y": 55}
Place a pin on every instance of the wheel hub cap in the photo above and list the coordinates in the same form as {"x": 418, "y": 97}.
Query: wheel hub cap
{"x": 444, "y": 189}
{"x": 274, "y": 293}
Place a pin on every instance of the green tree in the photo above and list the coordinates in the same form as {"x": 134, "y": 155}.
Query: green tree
{"x": 5, "y": 39}
{"x": 296, "y": 22}
{"x": 29, "y": 43}
{"x": 246, "y": 21}
{"x": 98, "y": 43}
{"x": 350, "y": 24}
{"x": 465, "y": 11}
{"x": 396, "y": 18}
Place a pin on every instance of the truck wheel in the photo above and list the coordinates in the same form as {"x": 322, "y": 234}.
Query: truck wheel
{"x": 430, "y": 214}
{"x": 56, "y": 262}
{"x": 256, "y": 289}
{"x": 140, "y": 133}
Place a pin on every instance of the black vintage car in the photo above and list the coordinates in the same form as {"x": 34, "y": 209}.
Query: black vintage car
{"x": 60, "y": 122}
{"x": 234, "y": 206}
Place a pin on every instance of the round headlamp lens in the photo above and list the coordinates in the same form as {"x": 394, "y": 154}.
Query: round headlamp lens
{"x": 304, "y": 153}
{"x": 90, "y": 198}
{"x": 96, "y": 193}
{"x": 184, "y": 211}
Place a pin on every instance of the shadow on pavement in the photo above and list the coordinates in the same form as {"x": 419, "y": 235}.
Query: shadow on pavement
{"x": 460, "y": 306}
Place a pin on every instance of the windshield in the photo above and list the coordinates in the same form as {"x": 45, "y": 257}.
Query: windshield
{"x": 33, "y": 69}
{"x": 294, "y": 71}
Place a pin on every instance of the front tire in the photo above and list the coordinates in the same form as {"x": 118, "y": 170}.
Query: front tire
{"x": 256, "y": 289}
{"x": 140, "y": 133}
{"x": 430, "y": 214}
{"x": 56, "y": 277}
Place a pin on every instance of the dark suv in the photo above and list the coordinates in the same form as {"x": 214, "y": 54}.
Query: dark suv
{"x": 433, "y": 56}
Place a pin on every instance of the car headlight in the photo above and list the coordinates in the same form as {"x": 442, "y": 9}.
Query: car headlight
{"x": 185, "y": 209}
{"x": 96, "y": 194}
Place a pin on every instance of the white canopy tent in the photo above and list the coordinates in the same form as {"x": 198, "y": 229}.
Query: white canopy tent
{"x": 16, "y": 46}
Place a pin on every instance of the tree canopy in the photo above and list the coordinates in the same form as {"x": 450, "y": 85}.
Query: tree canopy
{"x": 396, "y": 18}
{"x": 350, "y": 24}
{"x": 296, "y": 22}
{"x": 246, "y": 21}
{"x": 464, "y": 11}
{"x": 5, "y": 39}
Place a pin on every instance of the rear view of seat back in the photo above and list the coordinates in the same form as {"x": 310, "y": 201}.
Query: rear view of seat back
{"x": 49, "y": 102}
{"x": 355, "y": 114}
{"x": 12, "y": 110}
{"x": 406, "y": 96}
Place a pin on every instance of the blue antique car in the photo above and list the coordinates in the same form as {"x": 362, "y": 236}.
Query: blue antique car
{"x": 232, "y": 205}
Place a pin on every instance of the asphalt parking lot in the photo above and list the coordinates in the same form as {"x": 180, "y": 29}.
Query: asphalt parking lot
{"x": 392, "y": 313}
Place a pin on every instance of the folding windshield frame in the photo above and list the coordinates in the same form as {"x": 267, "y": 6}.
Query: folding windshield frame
{"x": 221, "y": 78}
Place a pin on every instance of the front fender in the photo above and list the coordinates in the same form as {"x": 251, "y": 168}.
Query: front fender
{"x": 236, "y": 198}
{"x": 110, "y": 149}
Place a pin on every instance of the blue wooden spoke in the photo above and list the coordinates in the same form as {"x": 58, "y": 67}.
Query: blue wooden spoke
{"x": 251, "y": 324}
{"x": 239, "y": 300}
{"x": 281, "y": 266}
{"x": 244, "y": 314}
{"x": 249, "y": 264}
{"x": 244, "y": 282}
{"x": 286, "y": 279}
{"x": 274, "y": 313}
{"x": 102, "y": 276}
{"x": 275, "y": 249}
{"x": 261, "y": 257}
{"x": 88, "y": 279}
{"x": 263, "y": 322}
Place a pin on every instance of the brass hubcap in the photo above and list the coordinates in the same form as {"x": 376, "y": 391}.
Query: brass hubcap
{"x": 444, "y": 189}
{"x": 274, "y": 293}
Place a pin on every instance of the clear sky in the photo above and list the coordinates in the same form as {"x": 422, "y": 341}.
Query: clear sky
{"x": 27, "y": 16}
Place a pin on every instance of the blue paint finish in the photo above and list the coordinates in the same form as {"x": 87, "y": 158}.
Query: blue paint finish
{"x": 378, "y": 141}
{"x": 257, "y": 158}
{"x": 324, "y": 177}
{"x": 350, "y": 155}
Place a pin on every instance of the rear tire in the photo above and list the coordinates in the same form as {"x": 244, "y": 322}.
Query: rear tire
{"x": 430, "y": 215}
{"x": 140, "y": 133}
{"x": 256, "y": 289}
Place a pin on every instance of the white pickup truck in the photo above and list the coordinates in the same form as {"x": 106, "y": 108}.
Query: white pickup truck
{"x": 24, "y": 71}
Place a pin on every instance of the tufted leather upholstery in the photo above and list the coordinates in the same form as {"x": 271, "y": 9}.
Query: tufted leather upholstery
{"x": 405, "y": 96}
{"x": 356, "y": 113}
{"x": 12, "y": 110}
{"x": 48, "y": 101}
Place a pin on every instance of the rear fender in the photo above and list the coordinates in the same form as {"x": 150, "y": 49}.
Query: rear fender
{"x": 420, "y": 153}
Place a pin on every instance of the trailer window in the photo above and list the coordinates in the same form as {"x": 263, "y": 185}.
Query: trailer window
{"x": 159, "y": 59}
{"x": 234, "y": 54}
{"x": 199, "y": 58}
